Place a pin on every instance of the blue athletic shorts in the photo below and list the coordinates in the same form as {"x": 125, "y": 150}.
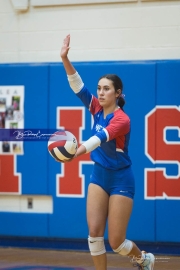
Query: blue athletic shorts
{"x": 119, "y": 182}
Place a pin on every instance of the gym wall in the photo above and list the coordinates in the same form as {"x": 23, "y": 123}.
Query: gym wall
{"x": 122, "y": 30}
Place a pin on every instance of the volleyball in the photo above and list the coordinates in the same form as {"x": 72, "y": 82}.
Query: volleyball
{"x": 62, "y": 145}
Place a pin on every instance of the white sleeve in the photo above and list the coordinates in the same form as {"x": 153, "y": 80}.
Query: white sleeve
{"x": 92, "y": 143}
{"x": 75, "y": 82}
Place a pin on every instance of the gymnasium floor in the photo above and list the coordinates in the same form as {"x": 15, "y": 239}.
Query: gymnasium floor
{"x": 32, "y": 259}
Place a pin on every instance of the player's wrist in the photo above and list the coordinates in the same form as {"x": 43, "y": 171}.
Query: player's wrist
{"x": 64, "y": 58}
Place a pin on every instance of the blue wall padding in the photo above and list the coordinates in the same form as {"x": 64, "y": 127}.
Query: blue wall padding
{"x": 147, "y": 84}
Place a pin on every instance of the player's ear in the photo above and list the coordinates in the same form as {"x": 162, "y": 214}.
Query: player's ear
{"x": 118, "y": 93}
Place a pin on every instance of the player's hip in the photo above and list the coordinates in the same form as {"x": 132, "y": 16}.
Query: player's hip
{"x": 114, "y": 181}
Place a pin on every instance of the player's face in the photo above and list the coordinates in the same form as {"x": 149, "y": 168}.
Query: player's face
{"x": 106, "y": 93}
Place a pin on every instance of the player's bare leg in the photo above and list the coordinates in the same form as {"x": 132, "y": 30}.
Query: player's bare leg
{"x": 120, "y": 208}
{"x": 97, "y": 210}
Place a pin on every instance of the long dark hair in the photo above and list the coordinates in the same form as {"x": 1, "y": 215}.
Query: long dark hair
{"x": 117, "y": 83}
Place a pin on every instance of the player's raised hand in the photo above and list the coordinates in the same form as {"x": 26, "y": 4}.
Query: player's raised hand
{"x": 65, "y": 47}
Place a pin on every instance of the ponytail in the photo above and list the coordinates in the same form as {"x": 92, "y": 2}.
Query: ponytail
{"x": 121, "y": 101}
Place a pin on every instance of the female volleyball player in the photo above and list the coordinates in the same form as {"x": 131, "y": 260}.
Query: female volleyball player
{"x": 111, "y": 189}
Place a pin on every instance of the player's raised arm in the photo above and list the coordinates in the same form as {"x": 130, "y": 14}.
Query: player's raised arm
{"x": 74, "y": 79}
{"x": 70, "y": 70}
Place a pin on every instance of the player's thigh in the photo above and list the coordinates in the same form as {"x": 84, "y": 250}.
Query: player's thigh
{"x": 120, "y": 208}
{"x": 97, "y": 210}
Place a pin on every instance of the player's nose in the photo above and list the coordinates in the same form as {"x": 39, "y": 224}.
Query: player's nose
{"x": 101, "y": 92}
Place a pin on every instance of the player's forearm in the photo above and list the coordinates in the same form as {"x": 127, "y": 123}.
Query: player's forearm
{"x": 88, "y": 146}
{"x": 81, "y": 150}
{"x": 70, "y": 70}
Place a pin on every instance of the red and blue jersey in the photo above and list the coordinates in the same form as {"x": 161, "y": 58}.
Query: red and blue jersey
{"x": 113, "y": 132}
